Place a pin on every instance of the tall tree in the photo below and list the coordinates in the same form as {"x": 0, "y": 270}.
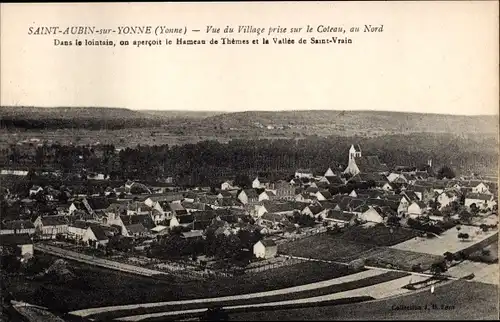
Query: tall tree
{"x": 445, "y": 172}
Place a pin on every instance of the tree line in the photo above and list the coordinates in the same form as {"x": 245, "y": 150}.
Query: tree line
{"x": 201, "y": 163}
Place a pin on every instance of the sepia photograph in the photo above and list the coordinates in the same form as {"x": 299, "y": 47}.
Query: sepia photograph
{"x": 249, "y": 161}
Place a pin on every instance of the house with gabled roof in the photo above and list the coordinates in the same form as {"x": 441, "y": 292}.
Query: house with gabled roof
{"x": 323, "y": 195}
{"x": 343, "y": 202}
{"x": 280, "y": 207}
{"x": 265, "y": 249}
{"x": 146, "y": 220}
{"x": 329, "y": 173}
{"x": 77, "y": 229}
{"x": 371, "y": 215}
{"x": 424, "y": 193}
{"x": 177, "y": 208}
{"x": 481, "y": 188}
{"x": 182, "y": 220}
{"x": 383, "y": 203}
{"x": 267, "y": 195}
{"x": 303, "y": 197}
{"x": 403, "y": 205}
{"x": 416, "y": 209}
{"x": 165, "y": 197}
{"x": 136, "y": 230}
{"x": 95, "y": 236}
{"x": 161, "y": 211}
{"x": 50, "y": 226}
{"x": 481, "y": 200}
{"x": 340, "y": 218}
{"x": 313, "y": 210}
{"x": 328, "y": 204}
{"x": 248, "y": 196}
{"x": 410, "y": 195}
{"x": 260, "y": 183}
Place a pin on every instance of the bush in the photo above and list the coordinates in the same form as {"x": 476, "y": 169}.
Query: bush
{"x": 461, "y": 256}
{"x": 449, "y": 256}
{"x": 417, "y": 268}
{"x": 415, "y": 224}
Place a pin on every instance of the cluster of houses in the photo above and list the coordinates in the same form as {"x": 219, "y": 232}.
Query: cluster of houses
{"x": 269, "y": 207}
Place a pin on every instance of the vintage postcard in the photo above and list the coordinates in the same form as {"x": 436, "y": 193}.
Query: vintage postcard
{"x": 254, "y": 161}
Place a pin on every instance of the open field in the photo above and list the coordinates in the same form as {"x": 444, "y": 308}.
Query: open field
{"x": 400, "y": 259}
{"x": 464, "y": 300}
{"x": 378, "y": 235}
{"x": 447, "y": 242}
{"x": 101, "y": 287}
{"x": 336, "y": 288}
{"x": 348, "y": 245}
{"x": 325, "y": 247}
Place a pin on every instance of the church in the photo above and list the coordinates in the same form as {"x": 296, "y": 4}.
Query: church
{"x": 363, "y": 164}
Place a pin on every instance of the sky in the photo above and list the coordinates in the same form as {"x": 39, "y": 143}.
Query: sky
{"x": 432, "y": 57}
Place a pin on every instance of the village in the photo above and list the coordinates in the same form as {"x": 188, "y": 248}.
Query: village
{"x": 235, "y": 228}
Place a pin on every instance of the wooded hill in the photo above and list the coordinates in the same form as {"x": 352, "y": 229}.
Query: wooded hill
{"x": 286, "y": 123}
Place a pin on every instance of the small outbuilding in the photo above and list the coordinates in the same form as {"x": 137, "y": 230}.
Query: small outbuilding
{"x": 265, "y": 249}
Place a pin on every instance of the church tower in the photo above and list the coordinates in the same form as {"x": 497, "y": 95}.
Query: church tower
{"x": 352, "y": 167}
{"x": 354, "y": 152}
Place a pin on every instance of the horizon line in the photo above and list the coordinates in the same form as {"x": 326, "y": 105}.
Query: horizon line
{"x": 243, "y": 111}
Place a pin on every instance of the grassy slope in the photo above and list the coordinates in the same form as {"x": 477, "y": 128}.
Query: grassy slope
{"x": 470, "y": 300}
{"x": 100, "y": 287}
{"x": 276, "y": 298}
